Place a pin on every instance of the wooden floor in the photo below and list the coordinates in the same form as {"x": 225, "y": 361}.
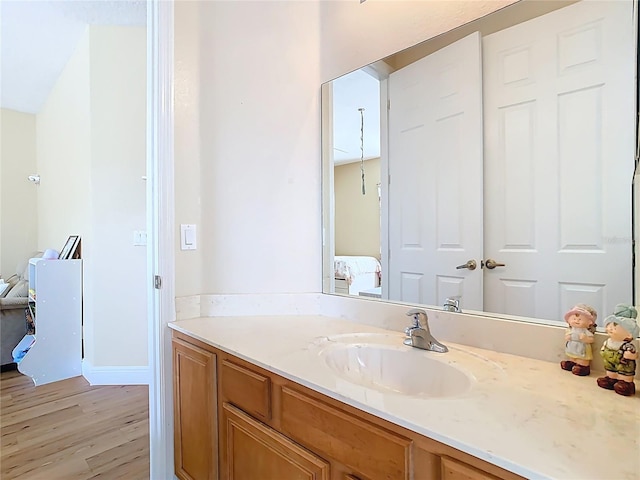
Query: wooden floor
{"x": 69, "y": 430}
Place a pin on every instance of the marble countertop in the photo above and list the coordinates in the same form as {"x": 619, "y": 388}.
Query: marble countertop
{"x": 527, "y": 416}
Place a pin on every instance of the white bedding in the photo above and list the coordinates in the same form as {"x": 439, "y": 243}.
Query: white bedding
{"x": 360, "y": 272}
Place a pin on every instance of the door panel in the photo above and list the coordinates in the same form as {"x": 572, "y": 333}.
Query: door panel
{"x": 559, "y": 118}
{"x": 435, "y": 192}
{"x": 195, "y": 421}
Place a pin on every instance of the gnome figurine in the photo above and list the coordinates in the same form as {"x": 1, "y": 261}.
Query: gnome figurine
{"x": 619, "y": 351}
{"x": 581, "y": 321}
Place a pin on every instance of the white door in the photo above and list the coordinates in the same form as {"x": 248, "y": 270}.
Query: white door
{"x": 559, "y": 116}
{"x": 435, "y": 165}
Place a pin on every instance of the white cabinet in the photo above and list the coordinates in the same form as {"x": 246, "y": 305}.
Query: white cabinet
{"x": 54, "y": 351}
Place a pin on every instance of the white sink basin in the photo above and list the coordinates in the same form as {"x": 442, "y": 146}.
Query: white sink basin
{"x": 402, "y": 370}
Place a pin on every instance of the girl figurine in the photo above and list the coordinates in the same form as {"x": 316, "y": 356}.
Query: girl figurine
{"x": 619, "y": 352}
{"x": 579, "y": 337}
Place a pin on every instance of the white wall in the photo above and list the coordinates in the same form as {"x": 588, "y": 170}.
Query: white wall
{"x": 260, "y": 70}
{"x": 18, "y": 196}
{"x": 357, "y": 216}
{"x": 188, "y": 208}
{"x": 115, "y": 291}
{"x": 63, "y": 144}
{"x": 260, "y": 147}
{"x": 91, "y": 155}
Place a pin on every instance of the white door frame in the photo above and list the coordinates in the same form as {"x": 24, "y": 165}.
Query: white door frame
{"x": 328, "y": 200}
{"x": 160, "y": 224}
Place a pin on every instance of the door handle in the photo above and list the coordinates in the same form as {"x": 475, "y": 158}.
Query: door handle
{"x": 471, "y": 265}
{"x": 491, "y": 264}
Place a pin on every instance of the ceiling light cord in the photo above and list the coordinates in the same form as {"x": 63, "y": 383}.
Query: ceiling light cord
{"x": 361, "y": 110}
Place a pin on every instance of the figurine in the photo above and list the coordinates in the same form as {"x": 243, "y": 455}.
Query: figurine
{"x": 579, "y": 337}
{"x": 619, "y": 352}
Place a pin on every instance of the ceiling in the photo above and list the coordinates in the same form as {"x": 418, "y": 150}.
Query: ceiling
{"x": 38, "y": 37}
{"x": 351, "y": 92}
{"x": 361, "y": 88}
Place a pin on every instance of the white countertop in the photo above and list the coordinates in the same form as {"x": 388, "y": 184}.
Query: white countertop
{"x": 527, "y": 416}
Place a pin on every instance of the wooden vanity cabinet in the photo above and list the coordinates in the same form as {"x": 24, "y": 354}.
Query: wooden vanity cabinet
{"x": 454, "y": 470}
{"x": 253, "y": 450}
{"x": 272, "y": 428}
{"x": 194, "y": 411}
{"x": 371, "y": 451}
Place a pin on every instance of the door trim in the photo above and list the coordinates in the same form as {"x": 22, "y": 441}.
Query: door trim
{"x": 160, "y": 223}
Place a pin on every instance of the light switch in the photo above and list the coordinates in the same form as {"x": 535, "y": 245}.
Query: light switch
{"x": 187, "y": 237}
{"x": 139, "y": 238}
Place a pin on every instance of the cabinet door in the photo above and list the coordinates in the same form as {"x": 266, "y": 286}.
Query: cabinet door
{"x": 195, "y": 422}
{"x": 256, "y": 451}
{"x": 455, "y": 470}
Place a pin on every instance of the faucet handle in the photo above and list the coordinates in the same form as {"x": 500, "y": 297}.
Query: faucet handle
{"x": 452, "y": 304}
{"x": 415, "y": 313}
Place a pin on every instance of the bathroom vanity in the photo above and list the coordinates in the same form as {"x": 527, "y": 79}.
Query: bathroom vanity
{"x": 310, "y": 396}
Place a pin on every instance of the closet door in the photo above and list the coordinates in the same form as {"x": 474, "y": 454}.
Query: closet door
{"x": 435, "y": 164}
{"x": 559, "y": 114}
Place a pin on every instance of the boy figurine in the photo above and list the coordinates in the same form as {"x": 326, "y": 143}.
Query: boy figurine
{"x": 578, "y": 338}
{"x": 619, "y": 352}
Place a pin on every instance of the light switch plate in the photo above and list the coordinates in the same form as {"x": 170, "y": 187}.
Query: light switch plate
{"x": 139, "y": 238}
{"x": 187, "y": 237}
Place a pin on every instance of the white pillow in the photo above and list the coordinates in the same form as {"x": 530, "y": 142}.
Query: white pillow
{"x": 20, "y": 289}
{"x": 4, "y": 289}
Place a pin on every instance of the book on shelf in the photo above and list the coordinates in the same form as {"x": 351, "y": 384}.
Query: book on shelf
{"x": 30, "y": 315}
{"x": 71, "y": 249}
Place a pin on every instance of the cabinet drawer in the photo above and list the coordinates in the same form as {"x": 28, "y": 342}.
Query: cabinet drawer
{"x": 255, "y": 451}
{"x": 454, "y": 470}
{"x": 368, "y": 449}
{"x": 246, "y": 389}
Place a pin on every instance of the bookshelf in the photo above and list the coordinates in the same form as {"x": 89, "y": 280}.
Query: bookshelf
{"x": 53, "y": 351}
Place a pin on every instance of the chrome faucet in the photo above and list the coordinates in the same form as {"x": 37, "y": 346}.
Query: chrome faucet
{"x": 452, "y": 304}
{"x": 419, "y": 336}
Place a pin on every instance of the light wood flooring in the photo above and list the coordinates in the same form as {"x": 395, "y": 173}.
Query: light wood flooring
{"x": 69, "y": 430}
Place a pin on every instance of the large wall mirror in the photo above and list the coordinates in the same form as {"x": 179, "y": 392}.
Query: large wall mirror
{"x": 489, "y": 169}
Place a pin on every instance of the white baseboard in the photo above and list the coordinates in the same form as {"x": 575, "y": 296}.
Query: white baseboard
{"x": 115, "y": 375}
